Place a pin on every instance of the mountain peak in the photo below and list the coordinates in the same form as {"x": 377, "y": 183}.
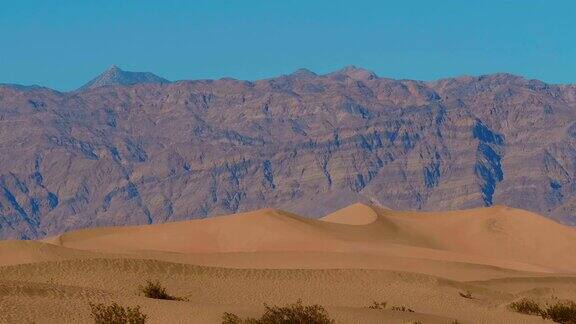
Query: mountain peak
{"x": 114, "y": 68}
{"x": 303, "y": 73}
{"x": 116, "y": 76}
{"x": 355, "y": 73}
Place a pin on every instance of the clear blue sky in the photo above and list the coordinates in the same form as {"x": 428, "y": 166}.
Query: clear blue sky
{"x": 62, "y": 44}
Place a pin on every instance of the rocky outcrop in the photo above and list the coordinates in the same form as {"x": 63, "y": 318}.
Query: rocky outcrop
{"x": 156, "y": 152}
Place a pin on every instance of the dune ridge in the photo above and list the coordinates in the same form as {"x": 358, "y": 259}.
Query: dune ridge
{"x": 497, "y": 236}
{"x": 344, "y": 260}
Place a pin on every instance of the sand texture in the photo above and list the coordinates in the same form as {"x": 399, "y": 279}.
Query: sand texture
{"x": 343, "y": 261}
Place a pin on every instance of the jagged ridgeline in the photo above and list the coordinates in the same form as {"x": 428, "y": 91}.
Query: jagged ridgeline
{"x": 132, "y": 148}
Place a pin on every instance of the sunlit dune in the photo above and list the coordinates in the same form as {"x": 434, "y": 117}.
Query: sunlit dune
{"x": 497, "y": 236}
{"x": 344, "y": 261}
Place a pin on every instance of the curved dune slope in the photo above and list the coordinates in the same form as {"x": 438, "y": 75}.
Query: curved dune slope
{"x": 497, "y": 232}
{"x": 498, "y": 236}
{"x": 356, "y": 214}
{"x": 21, "y": 252}
{"x": 344, "y": 261}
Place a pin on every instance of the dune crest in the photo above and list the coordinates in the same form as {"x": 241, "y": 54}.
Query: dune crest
{"x": 499, "y": 236}
{"x": 355, "y": 214}
{"x": 345, "y": 260}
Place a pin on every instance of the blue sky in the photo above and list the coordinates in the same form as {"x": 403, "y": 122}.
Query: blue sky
{"x": 62, "y": 44}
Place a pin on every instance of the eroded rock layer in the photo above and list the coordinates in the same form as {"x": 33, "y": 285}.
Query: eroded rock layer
{"x": 156, "y": 152}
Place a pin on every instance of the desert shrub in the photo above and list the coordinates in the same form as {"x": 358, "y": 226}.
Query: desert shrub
{"x": 116, "y": 314}
{"x": 153, "y": 289}
{"x": 402, "y": 309}
{"x": 466, "y": 294}
{"x": 295, "y": 313}
{"x": 561, "y": 312}
{"x": 526, "y": 306}
{"x": 230, "y": 318}
{"x": 377, "y": 305}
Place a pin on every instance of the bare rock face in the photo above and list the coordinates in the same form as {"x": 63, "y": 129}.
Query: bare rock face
{"x": 156, "y": 152}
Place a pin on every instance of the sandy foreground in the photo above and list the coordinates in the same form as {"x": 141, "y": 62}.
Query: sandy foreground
{"x": 344, "y": 261}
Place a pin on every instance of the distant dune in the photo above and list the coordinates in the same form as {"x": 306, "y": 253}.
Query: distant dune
{"x": 496, "y": 236}
{"x": 344, "y": 260}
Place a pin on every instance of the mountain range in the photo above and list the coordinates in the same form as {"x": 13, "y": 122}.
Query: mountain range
{"x": 134, "y": 148}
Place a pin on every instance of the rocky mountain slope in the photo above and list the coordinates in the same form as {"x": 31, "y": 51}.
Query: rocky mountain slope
{"x": 115, "y": 76}
{"x": 155, "y": 152}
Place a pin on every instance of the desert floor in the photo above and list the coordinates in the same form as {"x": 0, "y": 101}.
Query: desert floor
{"x": 344, "y": 262}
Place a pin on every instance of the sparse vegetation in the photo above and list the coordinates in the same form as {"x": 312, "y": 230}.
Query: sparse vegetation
{"x": 526, "y": 306}
{"x": 561, "y": 312}
{"x": 402, "y": 309}
{"x": 466, "y": 294}
{"x": 229, "y": 318}
{"x": 116, "y": 314}
{"x": 153, "y": 289}
{"x": 377, "y": 305}
{"x": 295, "y": 313}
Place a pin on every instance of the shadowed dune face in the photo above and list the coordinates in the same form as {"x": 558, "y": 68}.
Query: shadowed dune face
{"x": 344, "y": 261}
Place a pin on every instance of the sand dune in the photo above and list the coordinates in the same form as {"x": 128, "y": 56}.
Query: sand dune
{"x": 21, "y": 252}
{"x": 497, "y": 232}
{"x": 498, "y": 236}
{"x": 356, "y": 214}
{"x": 343, "y": 261}
{"x": 67, "y": 286}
